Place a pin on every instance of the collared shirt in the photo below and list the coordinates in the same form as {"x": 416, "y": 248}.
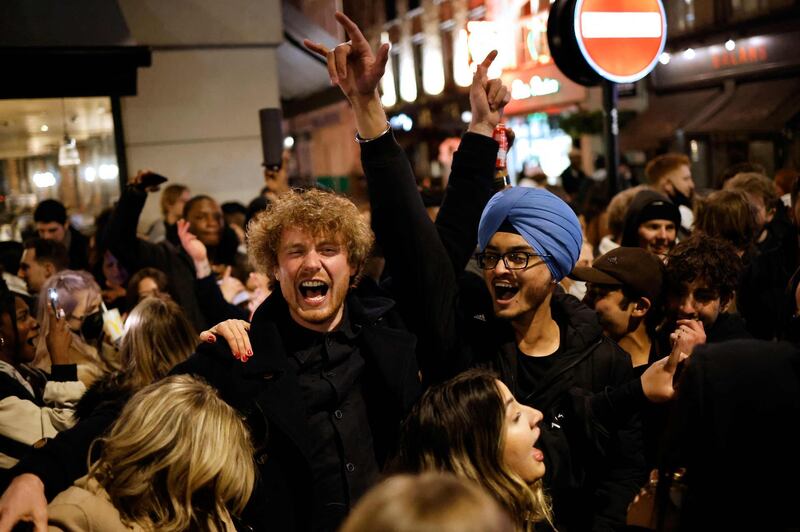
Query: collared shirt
{"x": 329, "y": 368}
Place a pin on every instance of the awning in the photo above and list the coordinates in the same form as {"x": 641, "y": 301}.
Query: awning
{"x": 755, "y": 107}
{"x": 57, "y": 48}
{"x": 303, "y": 80}
{"x": 665, "y": 115}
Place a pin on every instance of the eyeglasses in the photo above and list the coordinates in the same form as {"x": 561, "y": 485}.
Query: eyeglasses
{"x": 513, "y": 260}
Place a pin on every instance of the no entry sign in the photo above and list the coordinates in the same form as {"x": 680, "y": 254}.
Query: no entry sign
{"x": 620, "y": 39}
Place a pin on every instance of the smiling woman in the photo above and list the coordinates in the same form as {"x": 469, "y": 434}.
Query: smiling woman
{"x": 33, "y": 405}
{"x": 499, "y": 453}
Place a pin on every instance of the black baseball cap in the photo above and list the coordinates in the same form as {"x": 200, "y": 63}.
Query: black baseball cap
{"x": 636, "y": 269}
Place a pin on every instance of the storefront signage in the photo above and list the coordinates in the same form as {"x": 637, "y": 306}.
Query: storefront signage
{"x": 535, "y": 86}
{"x": 741, "y": 58}
{"x": 541, "y": 88}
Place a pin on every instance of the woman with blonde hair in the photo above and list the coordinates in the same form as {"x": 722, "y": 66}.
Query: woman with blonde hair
{"x": 429, "y": 502}
{"x": 473, "y": 427}
{"x": 178, "y": 458}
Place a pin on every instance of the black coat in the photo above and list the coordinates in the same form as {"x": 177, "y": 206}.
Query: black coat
{"x": 734, "y": 429}
{"x": 452, "y": 316}
{"x": 266, "y": 391}
{"x": 78, "y": 250}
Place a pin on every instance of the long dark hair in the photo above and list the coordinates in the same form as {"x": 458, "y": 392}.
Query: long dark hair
{"x": 458, "y": 427}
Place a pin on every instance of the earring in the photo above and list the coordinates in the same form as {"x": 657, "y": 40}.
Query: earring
{"x": 2, "y": 341}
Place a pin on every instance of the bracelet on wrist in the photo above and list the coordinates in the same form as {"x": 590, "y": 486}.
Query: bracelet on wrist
{"x": 362, "y": 140}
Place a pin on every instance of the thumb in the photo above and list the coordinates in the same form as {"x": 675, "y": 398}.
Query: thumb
{"x": 382, "y": 57}
{"x": 226, "y": 273}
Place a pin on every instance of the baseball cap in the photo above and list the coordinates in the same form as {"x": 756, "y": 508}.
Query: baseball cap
{"x": 636, "y": 269}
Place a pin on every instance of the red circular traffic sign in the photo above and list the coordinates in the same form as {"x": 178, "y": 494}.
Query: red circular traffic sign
{"x": 621, "y": 39}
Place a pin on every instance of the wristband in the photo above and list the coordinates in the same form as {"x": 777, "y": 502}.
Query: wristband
{"x": 362, "y": 140}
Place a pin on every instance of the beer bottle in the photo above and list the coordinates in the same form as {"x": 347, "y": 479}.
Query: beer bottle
{"x": 501, "y": 177}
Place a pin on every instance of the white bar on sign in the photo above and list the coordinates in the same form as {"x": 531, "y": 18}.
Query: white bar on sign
{"x": 620, "y": 25}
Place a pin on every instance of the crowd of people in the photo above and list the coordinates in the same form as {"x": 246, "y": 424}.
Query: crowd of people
{"x": 370, "y": 368}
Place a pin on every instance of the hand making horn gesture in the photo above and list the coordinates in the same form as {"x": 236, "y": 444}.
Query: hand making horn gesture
{"x": 351, "y": 64}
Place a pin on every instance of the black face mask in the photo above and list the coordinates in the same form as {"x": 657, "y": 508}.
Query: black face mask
{"x": 92, "y": 326}
{"x": 678, "y": 198}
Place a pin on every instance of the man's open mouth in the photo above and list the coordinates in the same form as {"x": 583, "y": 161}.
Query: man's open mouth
{"x": 504, "y": 291}
{"x": 313, "y": 291}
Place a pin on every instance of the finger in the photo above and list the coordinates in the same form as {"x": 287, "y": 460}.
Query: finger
{"x": 381, "y": 58}
{"x": 317, "y": 48}
{"x": 672, "y": 361}
{"x": 231, "y": 336}
{"x": 340, "y": 54}
{"x": 351, "y": 28}
{"x": 489, "y": 59}
{"x": 227, "y": 273}
{"x": 492, "y": 89}
{"x": 503, "y": 97}
{"x": 332, "y": 67}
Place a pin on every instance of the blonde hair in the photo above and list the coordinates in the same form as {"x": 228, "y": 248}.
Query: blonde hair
{"x": 440, "y": 434}
{"x": 315, "y": 212}
{"x": 431, "y": 502}
{"x": 158, "y": 335}
{"x": 176, "y": 458}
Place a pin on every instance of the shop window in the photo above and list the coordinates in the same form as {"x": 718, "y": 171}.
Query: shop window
{"x": 689, "y": 15}
{"x": 540, "y": 146}
{"x": 56, "y": 149}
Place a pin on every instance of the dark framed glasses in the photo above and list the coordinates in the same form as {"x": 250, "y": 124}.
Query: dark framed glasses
{"x": 513, "y": 260}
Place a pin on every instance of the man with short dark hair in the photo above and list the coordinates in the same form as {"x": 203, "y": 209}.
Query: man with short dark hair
{"x": 52, "y": 224}
{"x": 40, "y": 260}
{"x": 624, "y": 287}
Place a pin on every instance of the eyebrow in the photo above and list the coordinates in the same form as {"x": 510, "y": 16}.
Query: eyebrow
{"x": 513, "y": 248}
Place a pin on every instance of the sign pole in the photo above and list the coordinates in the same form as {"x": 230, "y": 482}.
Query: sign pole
{"x": 611, "y": 127}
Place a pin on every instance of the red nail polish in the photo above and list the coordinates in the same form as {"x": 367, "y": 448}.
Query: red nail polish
{"x": 249, "y": 353}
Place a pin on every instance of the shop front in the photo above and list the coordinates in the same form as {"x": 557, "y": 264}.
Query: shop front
{"x": 725, "y": 104}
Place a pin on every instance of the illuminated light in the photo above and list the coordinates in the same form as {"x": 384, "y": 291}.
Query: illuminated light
{"x": 44, "y": 128}
{"x": 689, "y": 53}
{"x": 488, "y": 35}
{"x": 537, "y": 86}
{"x": 466, "y": 117}
{"x": 620, "y": 25}
{"x": 389, "y": 95}
{"x": 694, "y": 150}
{"x": 68, "y": 153}
{"x": 288, "y": 143}
{"x": 462, "y": 73}
{"x": 408, "y": 79}
{"x": 90, "y": 174}
{"x": 730, "y": 45}
{"x": 664, "y": 58}
{"x": 544, "y": 59}
{"x": 107, "y": 172}
{"x": 44, "y": 179}
{"x": 432, "y": 65}
{"x": 401, "y": 121}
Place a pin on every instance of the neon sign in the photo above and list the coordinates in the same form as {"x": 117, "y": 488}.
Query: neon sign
{"x": 537, "y": 86}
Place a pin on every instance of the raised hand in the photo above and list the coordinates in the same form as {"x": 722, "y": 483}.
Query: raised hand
{"x": 356, "y": 70}
{"x": 487, "y": 98}
{"x": 688, "y": 335}
{"x": 657, "y": 380}
{"x": 351, "y": 64}
{"x": 58, "y": 339}
{"x": 24, "y": 501}
{"x": 193, "y": 247}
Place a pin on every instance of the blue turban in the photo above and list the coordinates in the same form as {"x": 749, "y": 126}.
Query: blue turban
{"x": 545, "y": 222}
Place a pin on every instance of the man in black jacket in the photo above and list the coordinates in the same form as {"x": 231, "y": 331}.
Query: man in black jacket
{"x": 545, "y": 345}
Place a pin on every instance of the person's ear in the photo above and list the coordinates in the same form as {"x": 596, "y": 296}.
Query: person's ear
{"x": 640, "y": 307}
{"x": 49, "y": 269}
